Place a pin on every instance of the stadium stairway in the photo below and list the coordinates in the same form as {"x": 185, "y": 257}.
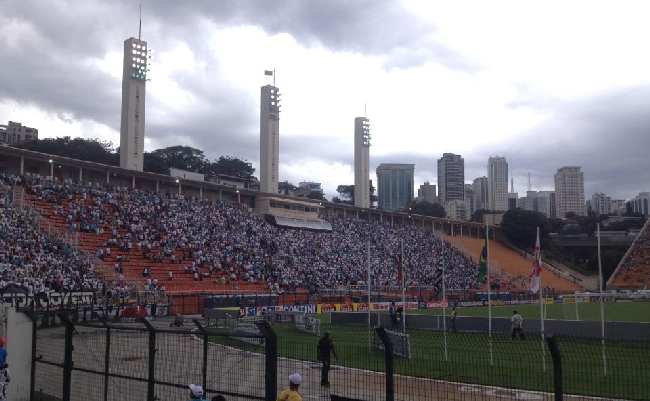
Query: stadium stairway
{"x": 502, "y": 258}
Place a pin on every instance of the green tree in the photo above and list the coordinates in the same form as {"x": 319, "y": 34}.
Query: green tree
{"x": 318, "y": 195}
{"x": 555, "y": 224}
{"x": 589, "y": 223}
{"x": 347, "y": 194}
{"x": 76, "y": 148}
{"x": 153, "y": 163}
{"x": 183, "y": 157}
{"x": 520, "y": 227}
{"x": 478, "y": 215}
{"x": 428, "y": 209}
{"x": 231, "y": 166}
{"x": 285, "y": 187}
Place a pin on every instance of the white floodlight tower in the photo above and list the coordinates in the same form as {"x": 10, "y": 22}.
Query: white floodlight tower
{"x": 269, "y": 135}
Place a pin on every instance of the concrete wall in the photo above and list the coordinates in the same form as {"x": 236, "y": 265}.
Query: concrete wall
{"x": 581, "y": 329}
{"x": 19, "y": 348}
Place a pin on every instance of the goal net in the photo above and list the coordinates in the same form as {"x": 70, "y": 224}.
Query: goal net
{"x": 572, "y": 305}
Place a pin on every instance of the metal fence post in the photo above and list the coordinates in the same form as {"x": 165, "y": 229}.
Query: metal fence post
{"x": 107, "y": 354}
{"x": 388, "y": 353}
{"x": 204, "y": 369}
{"x": 67, "y": 358}
{"x": 32, "y": 379}
{"x": 151, "y": 380}
{"x": 271, "y": 368}
{"x": 557, "y": 367}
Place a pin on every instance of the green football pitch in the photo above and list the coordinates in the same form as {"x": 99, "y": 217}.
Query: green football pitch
{"x": 613, "y": 311}
{"x": 617, "y": 369}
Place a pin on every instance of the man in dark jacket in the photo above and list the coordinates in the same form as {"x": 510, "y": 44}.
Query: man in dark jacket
{"x": 325, "y": 348}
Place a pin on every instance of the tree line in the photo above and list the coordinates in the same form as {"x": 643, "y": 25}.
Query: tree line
{"x": 158, "y": 161}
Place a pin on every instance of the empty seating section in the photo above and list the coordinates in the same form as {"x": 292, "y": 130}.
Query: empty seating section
{"x": 634, "y": 273}
{"x": 509, "y": 269}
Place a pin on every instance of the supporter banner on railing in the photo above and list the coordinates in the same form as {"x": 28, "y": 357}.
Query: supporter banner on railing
{"x": 52, "y": 299}
{"x": 377, "y": 306}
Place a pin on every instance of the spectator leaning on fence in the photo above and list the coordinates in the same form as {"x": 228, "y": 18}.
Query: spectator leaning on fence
{"x": 291, "y": 394}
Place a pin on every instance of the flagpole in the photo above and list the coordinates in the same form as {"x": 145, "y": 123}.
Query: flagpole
{"x": 487, "y": 262}
{"x": 444, "y": 311}
{"x": 369, "y": 293}
{"x": 538, "y": 251}
{"x": 602, "y": 308}
{"x": 403, "y": 290}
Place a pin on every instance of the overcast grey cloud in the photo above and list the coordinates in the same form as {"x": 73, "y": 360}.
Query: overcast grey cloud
{"x": 437, "y": 79}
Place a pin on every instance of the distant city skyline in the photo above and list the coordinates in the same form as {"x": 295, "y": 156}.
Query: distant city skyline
{"x": 431, "y": 78}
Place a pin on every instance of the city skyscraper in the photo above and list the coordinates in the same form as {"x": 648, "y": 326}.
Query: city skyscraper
{"x": 480, "y": 193}
{"x": 470, "y": 200}
{"x": 362, "y": 162}
{"x": 569, "y": 191}
{"x": 427, "y": 193}
{"x": 134, "y": 82}
{"x": 269, "y": 136}
{"x": 601, "y": 203}
{"x": 451, "y": 178}
{"x": 497, "y": 184}
{"x": 395, "y": 185}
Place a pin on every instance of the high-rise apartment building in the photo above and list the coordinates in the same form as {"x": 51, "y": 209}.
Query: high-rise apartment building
{"x": 14, "y": 133}
{"x": 641, "y": 203}
{"x": 470, "y": 200}
{"x": 269, "y": 137}
{"x": 480, "y": 193}
{"x": 395, "y": 185}
{"x": 497, "y": 184}
{"x": 135, "y": 67}
{"x": 546, "y": 203}
{"x": 601, "y": 204}
{"x": 570, "y": 191}
{"x": 362, "y": 162}
{"x": 451, "y": 178}
{"x": 427, "y": 193}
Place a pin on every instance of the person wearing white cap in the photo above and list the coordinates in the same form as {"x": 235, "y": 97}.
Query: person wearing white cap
{"x": 196, "y": 392}
{"x": 292, "y": 393}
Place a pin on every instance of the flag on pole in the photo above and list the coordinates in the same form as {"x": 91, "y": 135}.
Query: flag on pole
{"x": 437, "y": 278}
{"x": 535, "y": 274}
{"x": 482, "y": 265}
{"x": 268, "y": 73}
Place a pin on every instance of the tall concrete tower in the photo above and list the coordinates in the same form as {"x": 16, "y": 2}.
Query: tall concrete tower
{"x": 134, "y": 82}
{"x": 497, "y": 184}
{"x": 269, "y": 136}
{"x": 362, "y": 162}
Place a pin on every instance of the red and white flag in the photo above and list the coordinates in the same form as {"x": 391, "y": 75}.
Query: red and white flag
{"x": 535, "y": 274}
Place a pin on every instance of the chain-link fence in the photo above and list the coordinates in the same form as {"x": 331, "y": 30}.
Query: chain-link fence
{"x": 252, "y": 358}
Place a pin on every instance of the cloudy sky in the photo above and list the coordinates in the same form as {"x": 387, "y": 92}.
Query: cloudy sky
{"x": 545, "y": 84}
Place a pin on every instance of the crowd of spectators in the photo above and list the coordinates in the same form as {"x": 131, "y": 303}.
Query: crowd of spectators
{"x": 33, "y": 262}
{"x": 223, "y": 241}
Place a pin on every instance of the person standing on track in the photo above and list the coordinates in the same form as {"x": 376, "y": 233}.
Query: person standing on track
{"x": 517, "y": 326}
{"x": 291, "y": 394}
{"x": 392, "y": 311}
{"x": 454, "y": 315}
{"x": 324, "y": 349}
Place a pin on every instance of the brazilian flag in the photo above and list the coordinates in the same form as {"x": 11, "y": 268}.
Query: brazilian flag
{"x": 482, "y": 265}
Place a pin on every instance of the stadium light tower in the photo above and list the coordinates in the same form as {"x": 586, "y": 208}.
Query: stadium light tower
{"x": 362, "y": 162}
{"x": 269, "y": 135}
{"x": 134, "y": 82}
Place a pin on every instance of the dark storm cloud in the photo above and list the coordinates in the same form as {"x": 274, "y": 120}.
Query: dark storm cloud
{"x": 52, "y": 45}
{"x": 606, "y": 134}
